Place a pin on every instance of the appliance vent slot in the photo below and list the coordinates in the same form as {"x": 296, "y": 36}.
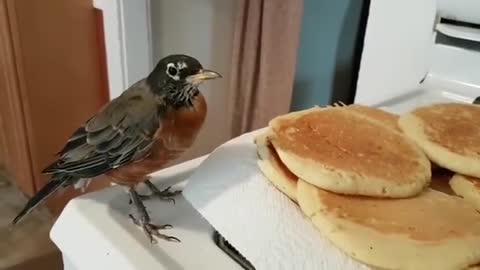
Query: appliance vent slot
{"x": 459, "y": 23}
{"x": 457, "y": 42}
{"x": 458, "y": 33}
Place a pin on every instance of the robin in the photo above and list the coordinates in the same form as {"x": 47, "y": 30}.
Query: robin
{"x": 148, "y": 125}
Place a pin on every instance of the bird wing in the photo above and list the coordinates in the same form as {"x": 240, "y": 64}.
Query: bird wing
{"x": 122, "y": 132}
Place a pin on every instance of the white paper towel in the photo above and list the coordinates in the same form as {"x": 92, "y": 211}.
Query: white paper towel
{"x": 260, "y": 222}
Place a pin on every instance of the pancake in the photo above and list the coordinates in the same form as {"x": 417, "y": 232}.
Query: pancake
{"x": 383, "y": 117}
{"x": 281, "y": 177}
{"x": 449, "y": 133}
{"x": 429, "y": 231}
{"x": 344, "y": 152}
{"x": 468, "y": 188}
{"x": 273, "y": 168}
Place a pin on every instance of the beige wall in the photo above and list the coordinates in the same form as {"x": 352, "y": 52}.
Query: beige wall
{"x": 203, "y": 29}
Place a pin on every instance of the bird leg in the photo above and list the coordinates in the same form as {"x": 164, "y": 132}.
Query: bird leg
{"x": 164, "y": 195}
{"x": 144, "y": 220}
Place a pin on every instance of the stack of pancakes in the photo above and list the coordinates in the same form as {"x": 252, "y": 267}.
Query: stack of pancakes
{"x": 377, "y": 184}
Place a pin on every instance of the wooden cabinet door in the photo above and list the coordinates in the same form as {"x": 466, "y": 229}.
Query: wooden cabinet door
{"x": 53, "y": 79}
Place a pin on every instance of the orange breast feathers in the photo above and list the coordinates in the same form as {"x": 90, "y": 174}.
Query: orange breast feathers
{"x": 176, "y": 134}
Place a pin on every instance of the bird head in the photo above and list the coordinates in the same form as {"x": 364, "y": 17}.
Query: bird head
{"x": 177, "y": 77}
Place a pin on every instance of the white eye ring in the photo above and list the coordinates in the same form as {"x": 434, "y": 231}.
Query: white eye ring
{"x": 172, "y": 71}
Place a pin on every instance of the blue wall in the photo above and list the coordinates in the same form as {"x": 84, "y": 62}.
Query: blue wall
{"x": 325, "y": 54}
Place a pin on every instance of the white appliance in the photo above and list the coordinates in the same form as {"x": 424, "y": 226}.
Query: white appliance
{"x": 415, "y": 53}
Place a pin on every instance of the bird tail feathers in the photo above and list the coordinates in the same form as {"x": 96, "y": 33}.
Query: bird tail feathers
{"x": 51, "y": 187}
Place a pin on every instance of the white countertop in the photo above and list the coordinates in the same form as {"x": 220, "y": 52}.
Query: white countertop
{"x": 94, "y": 231}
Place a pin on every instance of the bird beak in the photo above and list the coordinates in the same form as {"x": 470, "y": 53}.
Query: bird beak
{"x": 203, "y": 75}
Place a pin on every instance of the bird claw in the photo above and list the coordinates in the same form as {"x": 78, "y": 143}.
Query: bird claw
{"x": 144, "y": 220}
{"x": 164, "y": 195}
{"x": 161, "y": 196}
{"x": 167, "y": 195}
{"x": 153, "y": 230}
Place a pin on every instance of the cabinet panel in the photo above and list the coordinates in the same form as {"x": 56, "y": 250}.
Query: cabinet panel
{"x": 61, "y": 77}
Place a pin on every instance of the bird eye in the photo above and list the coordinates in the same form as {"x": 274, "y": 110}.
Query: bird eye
{"x": 172, "y": 71}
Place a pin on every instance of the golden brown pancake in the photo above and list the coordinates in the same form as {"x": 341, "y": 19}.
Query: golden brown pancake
{"x": 468, "y": 188}
{"x": 387, "y": 118}
{"x": 280, "y": 176}
{"x": 344, "y": 152}
{"x": 430, "y": 231}
{"x": 384, "y": 117}
{"x": 274, "y": 169}
{"x": 449, "y": 133}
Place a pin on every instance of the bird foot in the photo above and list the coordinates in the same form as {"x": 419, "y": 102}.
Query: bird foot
{"x": 164, "y": 195}
{"x": 144, "y": 220}
{"x": 153, "y": 230}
